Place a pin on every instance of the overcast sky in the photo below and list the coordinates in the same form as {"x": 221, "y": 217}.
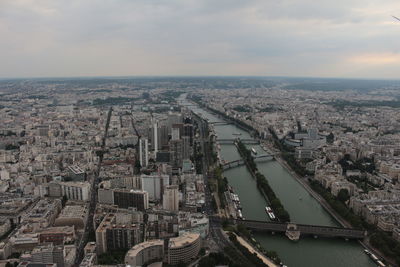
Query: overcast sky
{"x": 340, "y": 38}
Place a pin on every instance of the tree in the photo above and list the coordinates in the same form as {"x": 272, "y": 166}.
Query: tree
{"x": 330, "y": 138}
{"x": 343, "y": 195}
{"x": 207, "y": 262}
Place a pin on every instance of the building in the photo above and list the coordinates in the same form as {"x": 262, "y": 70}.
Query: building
{"x": 186, "y": 147}
{"x": 144, "y": 152}
{"x": 184, "y": 248}
{"x": 89, "y": 260}
{"x": 171, "y": 198}
{"x": 76, "y": 173}
{"x": 57, "y": 235}
{"x": 76, "y": 190}
{"x": 43, "y": 214}
{"x": 105, "y": 196}
{"x": 125, "y": 198}
{"x": 54, "y": 189}
{"x": 175, "y": 133}
{"x": 145, "y": 253}
{"x": 113, "y": 236}
{"x": 188, "y": 132}
{"x": 154, "y": 185}
{"x": 194, "y": 223}
{"x": 176, "y": 149}
{"x": 75, "y": 215}
{"x": 48, "y": 253}
{"x": 164, "y": 138}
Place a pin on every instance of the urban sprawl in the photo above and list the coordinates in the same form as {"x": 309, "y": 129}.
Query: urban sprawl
{"x": 125, "y": 172}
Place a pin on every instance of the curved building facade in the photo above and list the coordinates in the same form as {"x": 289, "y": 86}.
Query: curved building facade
{"x": 184, "y": 248}
{"x": 145, "y": 253}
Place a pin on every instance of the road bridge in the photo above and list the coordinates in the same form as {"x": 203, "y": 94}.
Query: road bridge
{"x": 314, "y": 230}
{"x": 239, "y": 162}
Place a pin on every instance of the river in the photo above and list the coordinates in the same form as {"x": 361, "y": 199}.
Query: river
{"x": 302, "y": 207}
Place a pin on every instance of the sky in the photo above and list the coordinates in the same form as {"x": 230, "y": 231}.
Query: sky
{"x": 324, "y": 38}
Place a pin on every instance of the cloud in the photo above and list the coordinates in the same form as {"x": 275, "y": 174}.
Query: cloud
{"x": 198, "y": 37}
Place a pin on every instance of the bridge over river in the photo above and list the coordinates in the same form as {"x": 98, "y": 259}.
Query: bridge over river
{"x": 314, "y": 230}
{"x": 232, "y": 141}
{"x": 303, "y": 229}
{"x": 239, "y": 162}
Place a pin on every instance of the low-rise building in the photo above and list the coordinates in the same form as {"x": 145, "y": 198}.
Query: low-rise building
{"x": 75, "y": 215}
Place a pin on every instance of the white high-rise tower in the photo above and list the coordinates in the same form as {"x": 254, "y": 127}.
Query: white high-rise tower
{"x": 144, "y": 152}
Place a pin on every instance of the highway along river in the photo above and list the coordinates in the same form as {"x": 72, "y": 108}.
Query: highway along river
{"x": 302, "y": 207}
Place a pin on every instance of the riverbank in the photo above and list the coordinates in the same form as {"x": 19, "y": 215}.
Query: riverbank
{"x": 253, "y": 250}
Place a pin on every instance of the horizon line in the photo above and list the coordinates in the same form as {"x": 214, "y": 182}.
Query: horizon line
{"x": 193, "y": 76}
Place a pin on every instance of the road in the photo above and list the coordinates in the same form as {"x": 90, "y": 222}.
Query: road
{"x": 93, "y": 198}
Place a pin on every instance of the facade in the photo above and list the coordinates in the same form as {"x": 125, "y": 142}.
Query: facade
{"x": 54, "y": 190}
{"x": 113, "y": 236}
{"x": 154, "y": 185}
{"x": 171, "y": 198}
{"x": 184, "y": 248}
{"x": 144, "y": 152}
{"x": 48, "y": 254}
{"x": 105, "y": 196}
{"x": 57, "y": 235}
{"x": 145, "y": 253}
{"x": 75, "y": 215}
{"x": 124, "y": 198}
{"x": 188, "y": 132}
{"x": 185, "y": 147}
{"x": 76, "y": 190}
{"x": 176, "y": 148}
{"x": 175, "y": 133}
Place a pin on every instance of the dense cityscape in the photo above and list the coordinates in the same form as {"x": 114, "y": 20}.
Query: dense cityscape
{"x": 202, "y": 171}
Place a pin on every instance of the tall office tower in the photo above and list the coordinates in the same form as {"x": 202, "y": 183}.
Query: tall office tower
{"x": 171, "y": 198}
{"x": 48, "y": 253}
{"x": 164, "y": 136}
{"x": 144, "y": 152}
{"x": 175, "y": 147}
{"x": 155, "y": 138}
{"x": 185, "y": 147}
{"x": 188, "y": 131}
{"x": 173, "y": 118}
{"x": 180, "y": 127}
{"x": 175, "y": 135}
{"x": 154, "y": 185}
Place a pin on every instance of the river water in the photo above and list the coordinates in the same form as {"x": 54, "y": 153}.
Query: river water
{"x": 302, "y": 207}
